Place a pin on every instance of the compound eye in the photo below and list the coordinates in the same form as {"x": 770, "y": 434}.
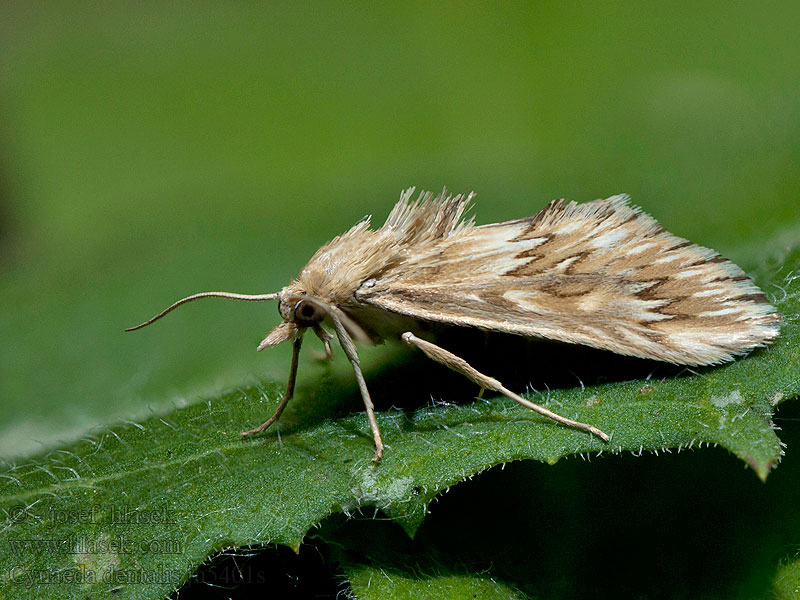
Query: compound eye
{"x": 307, "y": 312}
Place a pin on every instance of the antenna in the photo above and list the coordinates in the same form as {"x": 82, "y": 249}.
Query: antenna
{"x": 229, "y": 295}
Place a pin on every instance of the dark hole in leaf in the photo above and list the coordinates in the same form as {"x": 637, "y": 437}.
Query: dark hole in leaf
{"x": 276, "y": 572}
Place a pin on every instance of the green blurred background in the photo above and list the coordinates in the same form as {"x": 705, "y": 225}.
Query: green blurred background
{"x": 150, "y": 150}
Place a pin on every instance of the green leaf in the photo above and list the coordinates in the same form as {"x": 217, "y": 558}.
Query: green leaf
{"x": 148, "y": 502}
{"x": 786, "y": 584}
{"x": 370, "y": 583}
{"x": 379, "y": 561}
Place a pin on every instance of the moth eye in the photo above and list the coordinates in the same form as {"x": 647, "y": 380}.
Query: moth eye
{"x": 306, "y": 311}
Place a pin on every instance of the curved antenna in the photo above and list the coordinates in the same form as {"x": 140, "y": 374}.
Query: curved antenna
{"x": 229, "y": 295}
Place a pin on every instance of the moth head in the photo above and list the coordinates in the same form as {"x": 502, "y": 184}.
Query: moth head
{"x": 298, "y": 311}
{"x": 301, "y": 309}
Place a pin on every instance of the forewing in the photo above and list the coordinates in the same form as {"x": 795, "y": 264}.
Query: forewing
{"x": 603, "y": 274}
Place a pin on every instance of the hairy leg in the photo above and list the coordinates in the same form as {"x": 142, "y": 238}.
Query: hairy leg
{"x": 459, "y": 365}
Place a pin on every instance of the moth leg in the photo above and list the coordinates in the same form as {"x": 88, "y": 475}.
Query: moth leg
{"x": 298, "y": 341}
{"x": 326, "y": 338}
{"x": 350, "y": 350}
{"x": 459, "y": 365}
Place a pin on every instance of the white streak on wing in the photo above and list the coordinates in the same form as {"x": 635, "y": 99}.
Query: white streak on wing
{"x": 668, "y": 258}
{"x": 492, "y": 241}
{"x": 523, "y": 298}
{"x": 695, "y": 342}
{"x": 651, "y": 316}
{"x": 640, "y": 248}
{"x": 631, "y": 309}
{"x": 564, "y": 264}
{"x": 510, "y": 249}
{"x": 711, "y": 292}
{"x": 570, "y": 227}
{"x": 640, "y": 286}
{"x": 534, "y": 242}
{"x": 702, "y": 341}
{"x": 719, "y": 313}
{"x": 502, "y": 234}
{"x": 645, "y": 310}
{"x": 611, "y": 239}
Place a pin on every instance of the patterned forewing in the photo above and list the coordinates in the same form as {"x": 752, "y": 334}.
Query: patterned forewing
{"x": 603, "y": 274}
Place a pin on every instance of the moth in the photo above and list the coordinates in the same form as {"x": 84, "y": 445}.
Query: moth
{"x": 603, "y": 274}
